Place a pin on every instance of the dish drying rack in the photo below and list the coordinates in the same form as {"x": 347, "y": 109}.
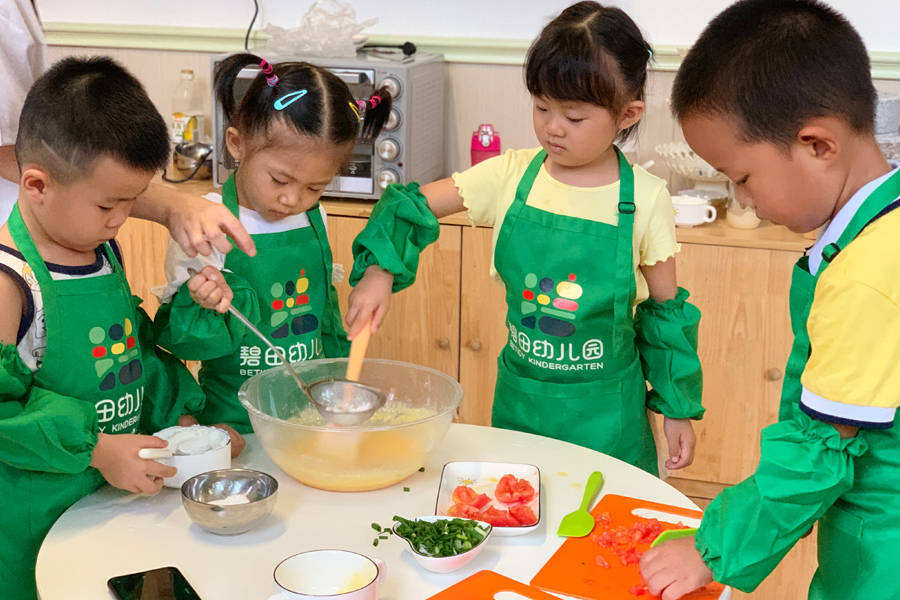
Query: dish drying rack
{"x": 680, "y": 159}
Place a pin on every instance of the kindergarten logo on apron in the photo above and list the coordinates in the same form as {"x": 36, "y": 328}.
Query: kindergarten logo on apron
{"x": 117, "y": 363}
{"x": 550, "y": 308}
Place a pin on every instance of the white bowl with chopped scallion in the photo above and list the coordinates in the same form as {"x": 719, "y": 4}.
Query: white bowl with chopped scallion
{"x": 442, "y": 544}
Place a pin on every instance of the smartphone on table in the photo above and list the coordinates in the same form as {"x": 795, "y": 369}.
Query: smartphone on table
{"x": 166, "y": 583}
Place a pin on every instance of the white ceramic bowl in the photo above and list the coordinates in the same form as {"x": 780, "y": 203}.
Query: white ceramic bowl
{"x": 446, "y": 564}
{"x": 189, "y": 465}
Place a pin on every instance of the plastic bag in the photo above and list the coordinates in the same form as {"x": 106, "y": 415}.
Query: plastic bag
{"x": 329, "y": 28}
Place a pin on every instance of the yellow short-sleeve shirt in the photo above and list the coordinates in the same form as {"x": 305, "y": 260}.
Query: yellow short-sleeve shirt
{"x": 488, "y": 190}
{"x": 853, "y": 373}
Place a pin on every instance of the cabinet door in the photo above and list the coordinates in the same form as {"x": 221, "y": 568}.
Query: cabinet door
{"x": 745, "y": 338}
{"x": 422, "y": 324}
{"x": 482, "y": 326}
{"x": 143, "y": 245}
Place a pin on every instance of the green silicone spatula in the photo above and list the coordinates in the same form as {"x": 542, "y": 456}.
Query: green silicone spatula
{"x": 672, "y": 534}
{"x": 579, "y": 523}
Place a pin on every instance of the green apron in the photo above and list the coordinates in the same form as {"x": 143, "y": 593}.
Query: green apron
{"x": 570, "y": 369}
{"x": 93, "y": 355}
{"x": 859, "y": 536}
{"x": 291, "y": 274}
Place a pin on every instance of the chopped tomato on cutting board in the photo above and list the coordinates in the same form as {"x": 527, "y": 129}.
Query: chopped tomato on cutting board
{"x": 604, "y": 564}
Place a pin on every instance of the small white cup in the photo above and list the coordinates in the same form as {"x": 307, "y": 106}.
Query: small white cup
{"x": 690, "y": 211}
{"x": 328, "y": 575}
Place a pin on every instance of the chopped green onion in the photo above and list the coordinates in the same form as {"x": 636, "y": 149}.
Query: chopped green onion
{"x": 406, "y": 489}
{"x": 444, "y": 537}
{"x": 421, "y": 469}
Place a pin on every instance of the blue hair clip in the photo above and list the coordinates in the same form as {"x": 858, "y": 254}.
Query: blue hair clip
{"x": 288, "y": 99}
{"x": 650, "y": 52}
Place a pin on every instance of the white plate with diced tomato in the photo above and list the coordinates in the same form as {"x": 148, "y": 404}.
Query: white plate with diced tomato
{"x": 506, "y": 495}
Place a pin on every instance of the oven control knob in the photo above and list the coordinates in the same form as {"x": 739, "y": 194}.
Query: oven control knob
{"x": 392, "y": 85}
{"x": 393, "y": 121}
{"x": 388, "y": 149}
{"x": 386, "y": 177}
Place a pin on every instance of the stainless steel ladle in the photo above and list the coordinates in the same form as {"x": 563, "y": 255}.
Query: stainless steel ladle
{"x": 339, "y": 401}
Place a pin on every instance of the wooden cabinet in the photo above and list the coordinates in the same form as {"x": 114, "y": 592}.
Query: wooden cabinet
{"x": 482, "y": 326}
{"x": 422, "y": 325}
{"x": 745, "y": 338}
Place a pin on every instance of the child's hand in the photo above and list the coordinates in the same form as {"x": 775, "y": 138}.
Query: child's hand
{"x": 209, "y": 290}
{"x": 681, "y": 440}
{"x": 116, "y": 457}
{"x": 198, "y": 225}
{"x": 369, "y": 299}
{"x": 187, "y": 421}
{"x": 238, "y": 443}
{"x": 674, "y": 569}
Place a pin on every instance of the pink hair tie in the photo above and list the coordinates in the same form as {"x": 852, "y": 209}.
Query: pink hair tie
{"x": 269, "y": 72}
{"x": 375, "y": 101}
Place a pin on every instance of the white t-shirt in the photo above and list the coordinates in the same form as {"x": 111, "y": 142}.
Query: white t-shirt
{"x": 21, "y": 63}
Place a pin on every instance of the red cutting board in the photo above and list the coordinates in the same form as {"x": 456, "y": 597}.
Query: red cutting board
{"x": 485, "y": 585}
{"x": 573, "y": 569}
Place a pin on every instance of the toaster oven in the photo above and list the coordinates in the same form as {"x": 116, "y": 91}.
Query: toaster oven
{"x": 411, "y": 146}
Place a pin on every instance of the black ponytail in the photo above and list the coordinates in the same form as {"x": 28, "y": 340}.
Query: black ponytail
{"x": 326, "y": 109}
{"x": 377, "y": 111}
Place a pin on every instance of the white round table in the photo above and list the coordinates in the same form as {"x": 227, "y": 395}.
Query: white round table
{"x": 112, "y": 533}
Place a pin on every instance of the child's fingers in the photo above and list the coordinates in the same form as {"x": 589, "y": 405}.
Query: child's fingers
{"x": 378, "y": 317}
{"x": 157, "y": 469}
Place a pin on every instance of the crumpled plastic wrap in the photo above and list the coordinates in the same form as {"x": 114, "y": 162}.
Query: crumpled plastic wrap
{"x": 329, "y": 28}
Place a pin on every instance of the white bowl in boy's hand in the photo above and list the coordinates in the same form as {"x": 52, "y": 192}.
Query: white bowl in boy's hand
{"x": 191, "y": 450}
{"x": 432, "y": 549}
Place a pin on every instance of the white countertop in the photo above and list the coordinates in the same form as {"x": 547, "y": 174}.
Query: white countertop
{"x": 112, "y": 532}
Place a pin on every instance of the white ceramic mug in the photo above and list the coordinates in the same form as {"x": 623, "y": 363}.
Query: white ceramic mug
{"x": 690, "y": 211}
{"x": 327, "y": 575}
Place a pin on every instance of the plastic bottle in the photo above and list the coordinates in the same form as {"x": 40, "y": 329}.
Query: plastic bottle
{"x": 187, "y": 110}
{"x": 485, "y": 143}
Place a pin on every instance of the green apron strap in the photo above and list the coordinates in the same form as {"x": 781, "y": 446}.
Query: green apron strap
{"x": 885, "y": 194}
{"x": 626, "y": 287}
{"x": 25, "y": 244}
{"x": 522, "y": 191}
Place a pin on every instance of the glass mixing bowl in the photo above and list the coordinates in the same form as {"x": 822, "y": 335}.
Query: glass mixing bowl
{"x": 388, "y": 448}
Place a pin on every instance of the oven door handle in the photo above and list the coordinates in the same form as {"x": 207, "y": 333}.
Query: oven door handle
{"x": 353, "y": 77}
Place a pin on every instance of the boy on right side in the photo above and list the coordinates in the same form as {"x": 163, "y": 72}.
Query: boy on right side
{"x": 777, "y": 94}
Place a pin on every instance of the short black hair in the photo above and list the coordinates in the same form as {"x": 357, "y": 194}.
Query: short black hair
{"x": 771, "y": 65}
{"x": 84, "y": 108}
{"x": 327, "y": 110}
{"x": 589, "y": 53}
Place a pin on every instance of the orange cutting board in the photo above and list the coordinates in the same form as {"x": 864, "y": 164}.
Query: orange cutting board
{"x": 573, "y": 569}
{"x": 485, "y": 585}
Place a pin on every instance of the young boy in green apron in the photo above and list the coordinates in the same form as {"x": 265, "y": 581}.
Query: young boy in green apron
{"x": 80, "y": 377}
{"x": 778, "y": 96}
{"x": 291, "y": 132}
{"x": 581, "y": 238}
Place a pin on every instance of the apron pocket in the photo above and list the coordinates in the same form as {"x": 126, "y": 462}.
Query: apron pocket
{"x": 840, "y": 554}
{"x": 590, "y": 414}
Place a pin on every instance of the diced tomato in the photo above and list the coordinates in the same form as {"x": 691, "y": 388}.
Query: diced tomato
{"x": 466, "y": 495}
{"x": 601, "y": 562}
{"x": 638, "y": 589}
{"x": 511, "y": 490}
{"x": 523, "y": 514}
{"x": 464, "y": 511}
{"x": 630, "y": 557}
{"x": 603, "y": 519}
{"x": 498, "y": 518}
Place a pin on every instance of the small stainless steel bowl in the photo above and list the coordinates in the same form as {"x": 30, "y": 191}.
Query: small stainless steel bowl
{"x": 202, "y": 496}
{"x": 188, "y": 154}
